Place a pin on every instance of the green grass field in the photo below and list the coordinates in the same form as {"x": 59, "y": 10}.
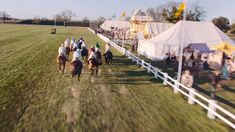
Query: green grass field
{"x": 35, "y": 97}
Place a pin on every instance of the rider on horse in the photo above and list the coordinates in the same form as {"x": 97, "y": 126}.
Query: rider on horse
{"x": 108, "y": 54}
{"x": 62, "y": 52}
{"x": 76, "y": 64}
{"x": 75, "y": 46}
{"x": 67, "y": 46}
{"x": 107, "y": 47}
{"x": 77, "y": 55}
{"x": 83, "y": 45}
{"x": 97, "y": 47}
{"x": 92, "y": 53}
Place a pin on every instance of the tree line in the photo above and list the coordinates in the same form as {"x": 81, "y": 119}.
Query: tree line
{"x": 166, "y": 13}
{"x": 162, "y": 13}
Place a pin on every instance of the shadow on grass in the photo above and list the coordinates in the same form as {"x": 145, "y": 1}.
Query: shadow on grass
{"x": 220, "y": 99}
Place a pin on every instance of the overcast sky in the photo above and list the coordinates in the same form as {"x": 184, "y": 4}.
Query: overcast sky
{"x": 95, "y": 8}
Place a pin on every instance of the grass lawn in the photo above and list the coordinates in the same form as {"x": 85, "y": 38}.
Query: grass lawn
{"x": 35, "y": 97}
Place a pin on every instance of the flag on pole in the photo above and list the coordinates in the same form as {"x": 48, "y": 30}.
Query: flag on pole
{"x": 123, "y": 14}
{"x": 180, "y": 9}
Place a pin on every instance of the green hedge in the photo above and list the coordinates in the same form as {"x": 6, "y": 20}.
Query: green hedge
{"x": 51, "y": 22}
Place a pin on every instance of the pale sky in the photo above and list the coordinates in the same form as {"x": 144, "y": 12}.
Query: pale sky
{"x": 107, "y": 8}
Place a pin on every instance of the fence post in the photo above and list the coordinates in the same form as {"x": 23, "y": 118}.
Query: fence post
{"x": 191, "y": 96}
{"x": 165, "y": 78}
{"x": 156, "y": 73}
{"x": 137, "y": 61}
{"x": 176, "y": 87}
{"x": 148, "y": 67}
{"x": 129, "y": 55}
{"x": 124, "y": 52}
{"x": 133, "y": 59}
{"x": 212, "y": 108}
{"x": 142, "y": 63}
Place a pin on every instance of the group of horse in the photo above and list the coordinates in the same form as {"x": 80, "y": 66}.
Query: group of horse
{"x": 76, "y": 66}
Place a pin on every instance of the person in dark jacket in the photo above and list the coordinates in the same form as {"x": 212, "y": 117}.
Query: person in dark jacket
{"x": 214, "y": 82}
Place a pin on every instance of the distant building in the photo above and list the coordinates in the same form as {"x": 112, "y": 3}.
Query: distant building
{"x": 138, "y": 23}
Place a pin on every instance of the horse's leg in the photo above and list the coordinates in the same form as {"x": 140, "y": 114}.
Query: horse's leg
{"x": 91, "y": 72}
{"x": 96, "y": 71}
{"x": 63, "y": 68}
{"x": 59, "y": 65}
{"x": 79, "y": 73}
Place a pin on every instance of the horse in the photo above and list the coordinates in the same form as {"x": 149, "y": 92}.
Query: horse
{"x": 61, "y": 63}
{"x": 108, "y": 57}
{"x": 67, "y": 51}
{"x": 76, "y": 68}
{"x": 93, "y": 66}
{"x": 99, "y": 57}
{"x": 84, "y": 54}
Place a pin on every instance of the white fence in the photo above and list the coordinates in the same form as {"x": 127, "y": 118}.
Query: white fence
{"x": 213, "y": 110}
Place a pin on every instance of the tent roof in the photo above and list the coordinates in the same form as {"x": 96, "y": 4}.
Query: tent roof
{"x": 184, "y": 32}
{"x": 201, "y": 47}
{"x": 139, "y": 15}
{"x": 155, "y": 28}
{"x": 116, "y": 24}
{"x": 225, "y": 47}
{"x": 139, "y": 12}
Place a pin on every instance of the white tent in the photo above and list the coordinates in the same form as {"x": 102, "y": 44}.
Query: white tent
{"x": 155, "y": 28}
{"x": 171, "y": 39}
{"x": 115, "y": 24}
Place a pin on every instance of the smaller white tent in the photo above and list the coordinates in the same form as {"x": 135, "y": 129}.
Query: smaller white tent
{"x": 108, "y": 24}
{"x": 155, "y": 28}
{"x": 183, "y": 32}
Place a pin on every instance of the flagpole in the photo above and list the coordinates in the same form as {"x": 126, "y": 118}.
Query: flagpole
{"x": 182, "y": 45}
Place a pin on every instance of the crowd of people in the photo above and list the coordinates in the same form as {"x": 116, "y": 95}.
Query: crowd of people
{"x": 199, "y": 62}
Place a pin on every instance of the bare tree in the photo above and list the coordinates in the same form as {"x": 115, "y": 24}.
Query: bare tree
{"x": 100, "y": 20}
{"x": 152, "y": 13}
{"x": 166, "y": 12}
{"x": 85, "y": 20}
{"x": 4, "y": 16}
{"x": 59, "y": 18}
{"x": 36, "y": 20}
{"x": 66, "y": 15}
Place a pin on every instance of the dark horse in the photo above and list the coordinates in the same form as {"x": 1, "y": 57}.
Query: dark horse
{"x": 108, "y": 57}
{"x": 93, "y": 66}
{"x": 61, "y": 62}
{"x": 76, "y": 68}
{"x": 99, "y": 57}
{"x": 67, "y": 51}
{"x": 84, "y": 54}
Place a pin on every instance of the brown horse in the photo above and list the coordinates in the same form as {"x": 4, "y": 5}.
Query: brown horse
{"x": 99, "y": 57}
{"x": 93, "y": 66}
{"x": 61, "y": 63}
{"x": 76, "y": 68}
{"x": 67, "y": 51}
{"x": 108, "y": 57}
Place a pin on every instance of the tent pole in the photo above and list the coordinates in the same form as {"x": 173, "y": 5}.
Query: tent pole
{"x": 123, "y": 38}
{"x": 182, "y": 46}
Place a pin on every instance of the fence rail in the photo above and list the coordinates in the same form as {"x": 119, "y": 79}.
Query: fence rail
{"x": 211, "y": 105}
